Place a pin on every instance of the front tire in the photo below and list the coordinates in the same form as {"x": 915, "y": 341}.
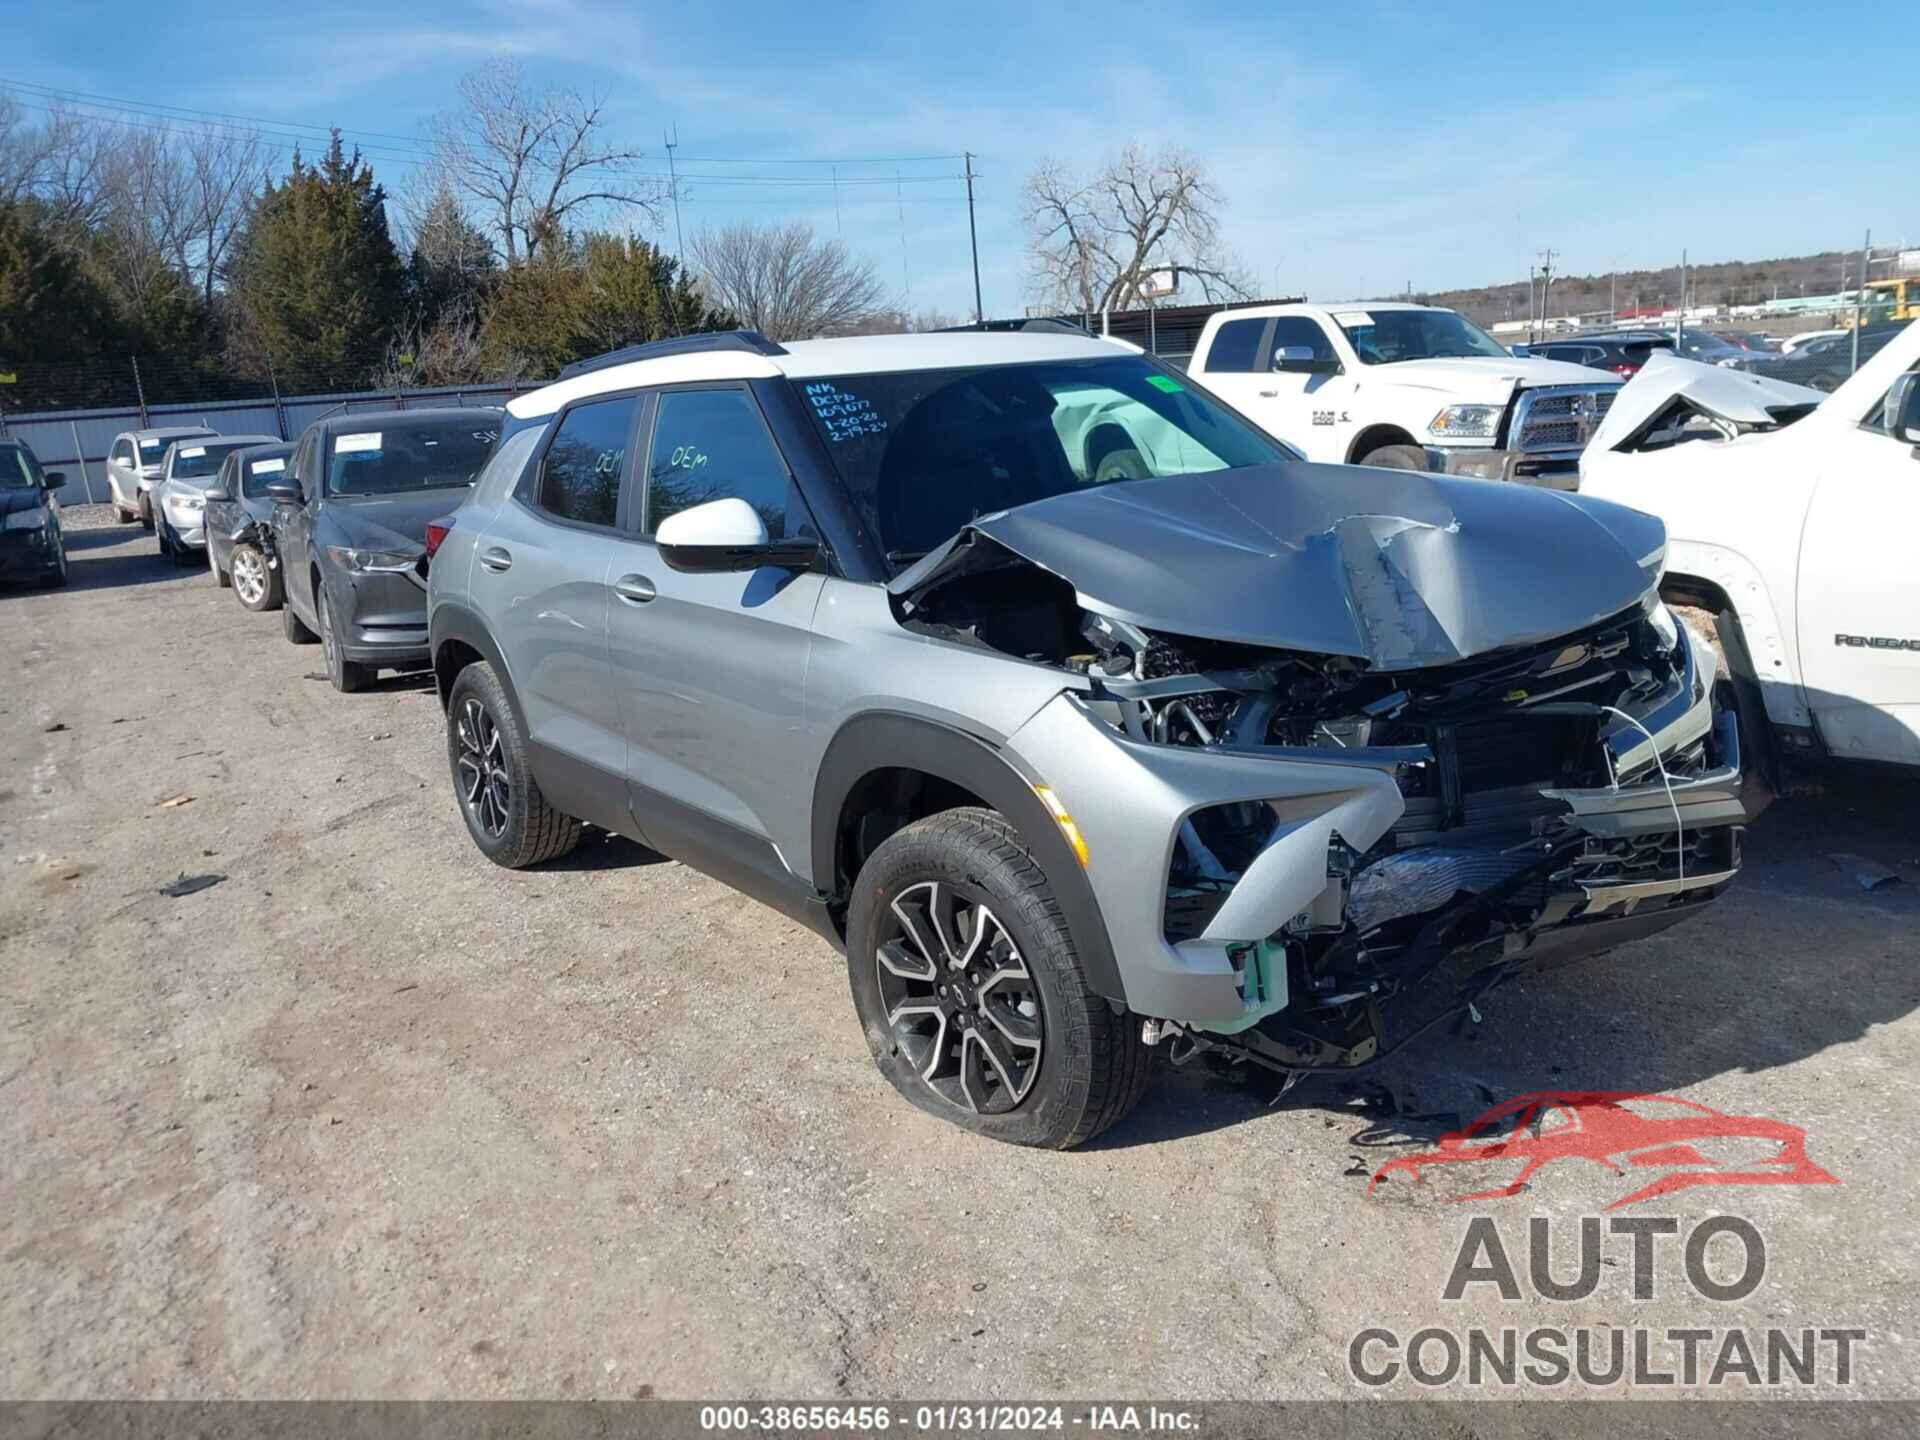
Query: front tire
{"x": 970, "y": 991}
{"x": 1397, "y": 457}
{"x": 347, "y": 675}
{"x": 507, "y": 816}
{"x": 256, "y": 584}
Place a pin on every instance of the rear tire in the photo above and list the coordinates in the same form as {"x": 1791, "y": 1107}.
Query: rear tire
{"x": 1397, "y": 457}
{"x": 960, "y": 1050}
{"x": 507, "y": 816}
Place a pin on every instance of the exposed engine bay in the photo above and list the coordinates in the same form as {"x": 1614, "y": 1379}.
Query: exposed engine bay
{"x": 1555, "y": 798}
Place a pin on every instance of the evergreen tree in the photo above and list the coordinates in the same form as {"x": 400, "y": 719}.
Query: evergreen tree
{"x": 58, "y": 332}
{"x": 318, "y": 281}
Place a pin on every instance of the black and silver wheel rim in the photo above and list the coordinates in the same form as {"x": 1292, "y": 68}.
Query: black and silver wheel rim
{"x": 959, "y": 998}
{"x": 249, "y": 573}
{"x": 328, "y": 649}
{"x": 482, "y": 768}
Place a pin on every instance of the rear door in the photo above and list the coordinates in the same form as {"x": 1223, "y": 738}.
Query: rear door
{"x": 540, "y": 572}
{"x": 222, "y": 516}
{"x": 711, "y": 668}
{"x": 1859, "y": 592}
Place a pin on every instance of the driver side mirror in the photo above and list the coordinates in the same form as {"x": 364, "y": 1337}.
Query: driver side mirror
{"x": 215, "y": 494}
{"x": 1903, "y": 408}
{"x": 283, "y": 492}
{"x": 728, "y": 535}
{"x": 55, "y": 479}
{"x": 1300, "y": 360}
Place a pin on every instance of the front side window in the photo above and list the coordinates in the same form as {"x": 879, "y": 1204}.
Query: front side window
{"x": 1295, "y": 333}
{"x": 580, "y": 475}
{"x": 1386, "y": 337}
{"x": 398, "y": 458}
{"x": 925, "y": 452}
{"x": 18, "y": 470}
{"x": 713, "y": 445}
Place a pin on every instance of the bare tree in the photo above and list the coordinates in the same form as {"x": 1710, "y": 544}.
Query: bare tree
{"x": 783, "y": 282}
{"x": 1091, "y": 241}
{"x": 59, "y": 163}
{"x": 223, "y": 174}
{"x": 529, "y": 159}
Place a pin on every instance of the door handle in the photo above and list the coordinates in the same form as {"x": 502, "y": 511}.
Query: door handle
{"x": 634, "y": 589}
{"x": 496, "y": 558}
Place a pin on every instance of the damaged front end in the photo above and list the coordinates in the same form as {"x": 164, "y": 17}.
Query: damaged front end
{"x": 1310, "y": 857}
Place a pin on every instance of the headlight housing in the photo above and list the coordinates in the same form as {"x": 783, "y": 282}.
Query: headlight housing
{"x": 23, "y": 520}
{"x": 1467, "y": 422}
{"x": 371, "y": 562}
{"x": 188, "y": 504}
{"x": 1666, "y": 629}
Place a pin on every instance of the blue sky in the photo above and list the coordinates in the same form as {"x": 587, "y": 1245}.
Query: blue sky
{"x": 1360, "y": 147}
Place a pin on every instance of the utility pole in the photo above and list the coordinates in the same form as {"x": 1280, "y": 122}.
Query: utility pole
{"x": 1680, "y": 321}
{"x": 1547, "y": 257}
{"x": 1866, "y": 262}
{"x": 673, "y": 186}
{"x": 973, "y": 235}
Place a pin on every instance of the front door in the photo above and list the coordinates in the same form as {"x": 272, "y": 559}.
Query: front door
{"x": 293, "y": 530}
{"x": 1859, "y": 596}
{"x": 712, "y": 668}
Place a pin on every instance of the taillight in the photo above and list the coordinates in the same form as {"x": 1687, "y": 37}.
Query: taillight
{"x": 1627, "y": 370}
{"x": 437, "y": 530}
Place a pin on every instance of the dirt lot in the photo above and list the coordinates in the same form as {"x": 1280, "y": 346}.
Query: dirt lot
{"x": 374, "y": 1118}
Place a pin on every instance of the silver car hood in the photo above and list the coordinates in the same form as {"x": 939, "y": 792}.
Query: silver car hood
{"x": 1397, "y": 568}
{"x": 1744, "y": 401}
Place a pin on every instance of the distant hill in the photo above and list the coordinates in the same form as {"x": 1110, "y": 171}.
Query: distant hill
{"x": 1725, "y": 282}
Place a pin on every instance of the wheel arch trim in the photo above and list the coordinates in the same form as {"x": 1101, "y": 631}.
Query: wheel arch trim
{"x": 451, "y": 622}
{"x": 891, "y": 740}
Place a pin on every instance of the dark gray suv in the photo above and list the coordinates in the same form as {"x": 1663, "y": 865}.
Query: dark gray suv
{"x": 1076, "y": 710}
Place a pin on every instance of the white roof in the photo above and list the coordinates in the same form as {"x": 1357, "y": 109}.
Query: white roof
{"x": 855, "y": 355}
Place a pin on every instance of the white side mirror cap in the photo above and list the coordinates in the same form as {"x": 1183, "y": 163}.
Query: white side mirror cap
{"x": 731, "y": 523}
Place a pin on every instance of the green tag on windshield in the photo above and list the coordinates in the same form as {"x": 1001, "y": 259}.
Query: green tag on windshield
{"x": 1166, "y": 383}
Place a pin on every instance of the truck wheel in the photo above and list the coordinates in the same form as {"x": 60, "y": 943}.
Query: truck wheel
{"x": 967, "y": 984}
{"x": 507, "y": 816}
{"x": 1397, "y": 457}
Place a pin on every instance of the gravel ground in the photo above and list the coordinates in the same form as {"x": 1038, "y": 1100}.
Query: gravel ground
{"x": 371, "y": 1117}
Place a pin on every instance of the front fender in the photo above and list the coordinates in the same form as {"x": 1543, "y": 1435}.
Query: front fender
{"x": 890, "y": 740}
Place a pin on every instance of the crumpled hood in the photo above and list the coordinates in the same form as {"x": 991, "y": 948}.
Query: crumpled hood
{"x": 391, "y": 522}
{"x": 1398, "y": 568}
{"x": 1480, "y": 379}
{"x": 1743, "y": 399}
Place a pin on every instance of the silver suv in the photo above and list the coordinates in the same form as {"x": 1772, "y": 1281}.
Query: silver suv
{"x": 1082, "y": 715}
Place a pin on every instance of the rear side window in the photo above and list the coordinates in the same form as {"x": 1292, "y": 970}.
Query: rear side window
{"x": 580, "y": 475}
{"x": 713, "y": 445}
{"x": 1236, "y": 346}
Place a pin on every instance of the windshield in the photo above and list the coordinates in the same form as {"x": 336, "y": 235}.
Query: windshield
{"x": 153, "y": 449}
{"x": 196, "y": 461}
{"x": 924, "y": 452}
{"x": 17, "y": 469}
{"x": 416, "y": 455}
{"x": 1386, "y": 337}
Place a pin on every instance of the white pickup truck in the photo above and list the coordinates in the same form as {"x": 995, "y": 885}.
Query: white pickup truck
{"x": 1791, "y": 515}
{"x": 1410, "y": 386}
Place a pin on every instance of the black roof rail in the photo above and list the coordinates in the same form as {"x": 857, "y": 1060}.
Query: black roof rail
{"x": 1038, "y": 326}
{"x": 749, "y": 340}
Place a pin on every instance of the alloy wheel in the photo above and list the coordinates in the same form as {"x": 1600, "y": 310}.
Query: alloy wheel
{"x": 961, "y": 1002}
{"x": 485, "y": 788}
{"x": 249, "y": 576}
